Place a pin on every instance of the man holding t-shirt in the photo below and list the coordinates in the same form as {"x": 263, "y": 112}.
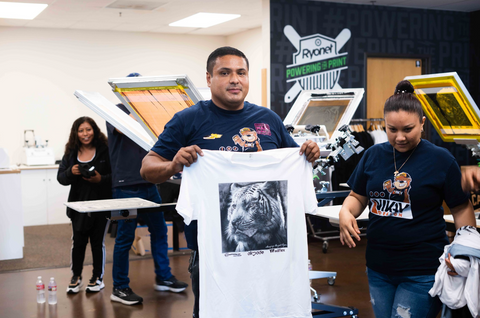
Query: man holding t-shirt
{"x": 226, "y": 122}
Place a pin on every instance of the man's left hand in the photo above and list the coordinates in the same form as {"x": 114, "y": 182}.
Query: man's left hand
{"x": 311, "y": 150}
{"x": 470, "y": 178}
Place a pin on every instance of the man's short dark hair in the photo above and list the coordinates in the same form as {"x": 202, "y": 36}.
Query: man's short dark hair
{"x": 222, "y": 51}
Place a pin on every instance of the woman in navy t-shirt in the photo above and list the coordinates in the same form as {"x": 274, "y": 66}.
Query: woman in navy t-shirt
{"x": 404, "y": 182}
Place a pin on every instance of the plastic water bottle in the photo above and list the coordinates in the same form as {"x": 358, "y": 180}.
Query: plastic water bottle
{"x": 309, "y": 269}
{"x": 40, "y": 290}
{"x": 52, "y": 291}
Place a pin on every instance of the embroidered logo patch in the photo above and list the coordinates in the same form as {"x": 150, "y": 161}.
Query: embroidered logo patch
{"x": 213, "y": 136}
{"x": 263, "y": 129}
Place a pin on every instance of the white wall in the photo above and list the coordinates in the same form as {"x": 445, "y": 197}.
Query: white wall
{"x": 41, "y": 68}
{"x": 249, "y": 43}
{"x": 265, "y": 29}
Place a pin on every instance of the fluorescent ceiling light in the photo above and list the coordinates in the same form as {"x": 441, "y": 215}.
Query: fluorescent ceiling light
{"x": 17, "y": 10}
{"x": 204, "y": 20}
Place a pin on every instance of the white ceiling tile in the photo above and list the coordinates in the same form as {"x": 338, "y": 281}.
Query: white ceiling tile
{"x": 13, "y": 22}
{"x": 172, "y": 30}
{"x": 85, "y": 3}
{"x": 50, "y": 24}
{"x": 132, "y": 27}
{"x": 62, "y": 12}
{"x": 93, "y": 26}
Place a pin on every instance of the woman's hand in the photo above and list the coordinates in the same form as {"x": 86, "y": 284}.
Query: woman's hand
{"x": 352, "y": 207}
{"x": 95, "y": 179}
{"x": 452, "y": 271}
{"x": 76, "y": 170}
{"x": 348, "y": 228}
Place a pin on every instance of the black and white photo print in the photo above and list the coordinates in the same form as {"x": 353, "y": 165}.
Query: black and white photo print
{"x": 253, "y": 215}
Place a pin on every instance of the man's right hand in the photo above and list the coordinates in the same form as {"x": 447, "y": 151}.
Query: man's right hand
{"x": 185, "y": 157}
{"x": 157, "y": 169}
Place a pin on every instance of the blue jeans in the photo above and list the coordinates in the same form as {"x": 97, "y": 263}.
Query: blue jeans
{"x": 126, "y": 235}
{"x": 402, "y": 296}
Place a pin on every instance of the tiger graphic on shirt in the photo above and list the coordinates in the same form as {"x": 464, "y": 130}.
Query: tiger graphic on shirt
{"x": 394, "y": 200}
{"x": 256, "y": 217}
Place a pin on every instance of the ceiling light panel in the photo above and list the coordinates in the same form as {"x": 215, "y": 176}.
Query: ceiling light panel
{"x": 204, "y": 20}
{"x": 17, "y": 10}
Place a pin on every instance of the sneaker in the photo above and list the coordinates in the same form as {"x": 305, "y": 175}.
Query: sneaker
{"x": 75, "y": 285}
{"x": 171, "y": 284}
{"x": 125, "y": 296}
{"x": 95, "y": 285}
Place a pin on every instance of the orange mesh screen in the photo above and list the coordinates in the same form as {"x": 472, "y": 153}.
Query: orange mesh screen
{"x": 157, "y": 106}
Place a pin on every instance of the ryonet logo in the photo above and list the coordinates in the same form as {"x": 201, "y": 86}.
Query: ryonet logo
{"x": 317, "y": 63}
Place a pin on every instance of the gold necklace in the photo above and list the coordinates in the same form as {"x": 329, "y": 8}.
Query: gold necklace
{"x": 395, "y": 162}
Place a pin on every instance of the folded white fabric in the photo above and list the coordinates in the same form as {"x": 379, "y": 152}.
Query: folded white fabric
{"x": 463, "y": 289}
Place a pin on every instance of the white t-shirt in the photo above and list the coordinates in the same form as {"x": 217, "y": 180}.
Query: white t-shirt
{"x": 378, "y": 136}
{"x": 252, "y": 236}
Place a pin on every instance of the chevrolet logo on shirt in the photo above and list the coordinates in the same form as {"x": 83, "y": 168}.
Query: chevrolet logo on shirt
{"x": 213, "y": 136}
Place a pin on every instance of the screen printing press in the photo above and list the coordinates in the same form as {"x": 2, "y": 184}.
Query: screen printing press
{"x": 115, "y": 208}
{"x": 450, "y": 108}
{"x": 129, "y": 208}
{"x": 323, "y": 116}
{"x": 152, "y": 100}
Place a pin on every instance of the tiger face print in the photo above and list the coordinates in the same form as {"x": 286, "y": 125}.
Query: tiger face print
{"x": 256, "y": 219}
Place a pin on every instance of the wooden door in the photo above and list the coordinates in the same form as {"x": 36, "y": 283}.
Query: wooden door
{"x": 383, "y": 74}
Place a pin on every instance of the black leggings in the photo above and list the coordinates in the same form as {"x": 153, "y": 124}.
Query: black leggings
{"x": 97, "y": 242}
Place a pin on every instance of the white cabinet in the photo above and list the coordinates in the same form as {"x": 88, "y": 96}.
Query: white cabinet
{"x": 57, "y": 195}
{"x": 11, "y": 226}
{"x": 34, "y": 197}
{"x": 43, "y": 197}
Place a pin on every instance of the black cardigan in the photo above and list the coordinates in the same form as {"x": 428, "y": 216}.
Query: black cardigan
{"x": 82, "y": 190}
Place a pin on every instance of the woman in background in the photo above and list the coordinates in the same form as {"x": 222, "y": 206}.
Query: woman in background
{"x": 404, "y": 182}
{"x": 86, "y": 168}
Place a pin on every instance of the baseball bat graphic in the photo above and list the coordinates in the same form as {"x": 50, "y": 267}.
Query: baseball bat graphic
{"x": 293, "y": 92}
{"x": 292, "y": 36}
{"x": 342, "y": 38}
